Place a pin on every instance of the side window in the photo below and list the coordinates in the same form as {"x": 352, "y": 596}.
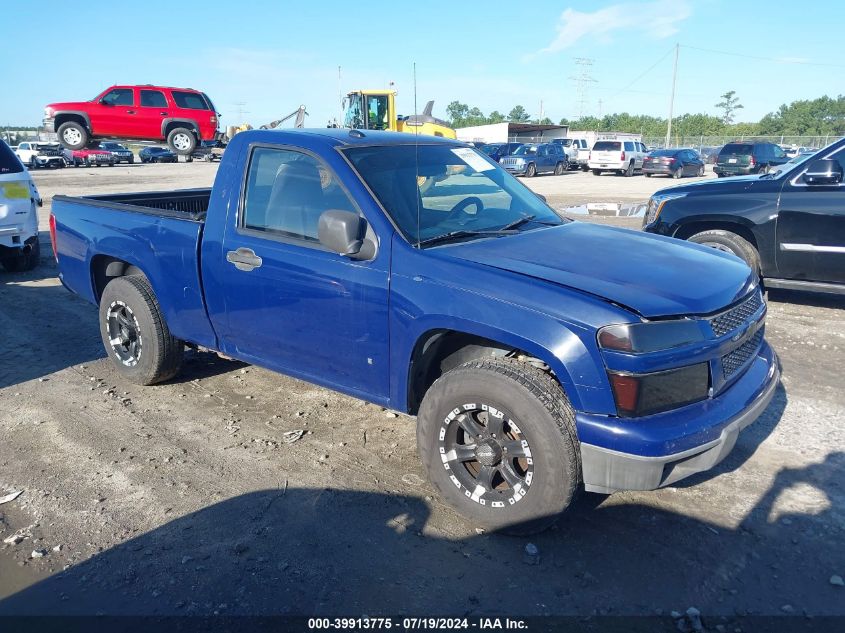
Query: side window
{"x": 189, "y": 100}
{"x": 287, "y": 191}
{"x": 23, "y": 146}
{"x": 629, "y": 146}
{"x": 119, "y": 97}
{"x": 153, "y": 99}
{"x": 778, "y": 152}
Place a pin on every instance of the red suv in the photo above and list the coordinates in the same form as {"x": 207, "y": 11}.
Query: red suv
{"x": 181, "y": 116}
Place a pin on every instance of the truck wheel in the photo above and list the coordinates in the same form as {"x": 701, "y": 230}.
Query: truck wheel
{"x": 560, "y": 168}
{"x": 182, "y": 141}
{"x": 72, "y": 135}
{"x": 497, "y": 439}
{"x": 729, "y": 242}
{"x": 597, "y": 172}
{"x": 134, "y": 333}
{"x": 531, "y": 170}
{"x": 22, "y": 263}
{"x": 629, "y": 171}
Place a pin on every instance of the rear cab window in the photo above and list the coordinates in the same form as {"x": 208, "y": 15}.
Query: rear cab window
{"x": 736, "y": 149}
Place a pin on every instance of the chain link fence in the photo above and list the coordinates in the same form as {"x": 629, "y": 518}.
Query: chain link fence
{"x": 700, "y": 142}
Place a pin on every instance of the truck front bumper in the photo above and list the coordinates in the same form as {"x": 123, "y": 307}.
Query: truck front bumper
{"x": 666, "y": 456}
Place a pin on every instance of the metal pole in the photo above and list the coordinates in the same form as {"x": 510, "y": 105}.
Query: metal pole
{"x": 339, "y": 100}
{"x": 672, "y": 96}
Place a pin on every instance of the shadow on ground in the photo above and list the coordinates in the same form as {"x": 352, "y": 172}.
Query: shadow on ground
{"x": 306, "y": 552}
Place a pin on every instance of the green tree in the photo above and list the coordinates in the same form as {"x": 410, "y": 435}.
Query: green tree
{"x": 519, "y": 115}
{"x": 496, "y": 117}
{"x": 458, "y": 113}
{"x": 729, "y": 105}
{"x": 475, "y": 117}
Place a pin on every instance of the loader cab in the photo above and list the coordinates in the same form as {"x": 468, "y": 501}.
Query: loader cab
{"x": 370, "y": 110}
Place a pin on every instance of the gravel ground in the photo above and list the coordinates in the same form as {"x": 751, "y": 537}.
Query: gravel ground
{"x": 184, "y": 498}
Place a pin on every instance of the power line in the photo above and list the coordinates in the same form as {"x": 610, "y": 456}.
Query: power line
{"x": 644, "y": 73}
{"x": 797, "y": 62}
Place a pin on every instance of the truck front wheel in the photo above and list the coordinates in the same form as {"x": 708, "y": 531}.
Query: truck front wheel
{"x": 72, "y": 135}
{"x": 135, "y": 334}
{"x": 497, "y": 438}
{"x": 729, "y": 242}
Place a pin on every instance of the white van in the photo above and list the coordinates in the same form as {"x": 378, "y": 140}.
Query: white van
{"x": 19, "y": 202}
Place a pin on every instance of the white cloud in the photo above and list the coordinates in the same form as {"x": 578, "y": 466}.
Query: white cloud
{"x": 658, "y": 19}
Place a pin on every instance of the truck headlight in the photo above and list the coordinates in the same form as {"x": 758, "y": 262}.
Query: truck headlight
{"x": 653, "y": 336}
{"x": 656, "y": 204}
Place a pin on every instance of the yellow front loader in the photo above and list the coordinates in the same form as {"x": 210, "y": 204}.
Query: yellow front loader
{"x": 376, "y": 110}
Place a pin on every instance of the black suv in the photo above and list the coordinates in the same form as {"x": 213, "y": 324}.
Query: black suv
{"x": 741, "y": 158}
{"x": 788, "y": 225}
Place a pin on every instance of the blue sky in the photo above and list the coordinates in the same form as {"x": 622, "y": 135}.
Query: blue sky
{"x": 272, "y": 56}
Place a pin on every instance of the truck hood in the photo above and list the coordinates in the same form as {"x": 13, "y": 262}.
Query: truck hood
{"x": 652, "y": 275}
{"x": 721, "y": 185}
{"x": 63, "y": 106}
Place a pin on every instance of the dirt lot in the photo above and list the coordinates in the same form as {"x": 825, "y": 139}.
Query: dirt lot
{"x": 184, "y": 499}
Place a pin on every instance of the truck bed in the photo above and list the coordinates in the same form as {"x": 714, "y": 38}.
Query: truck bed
{"x": 183, "y": 204}
{"x": 157, "y": 232}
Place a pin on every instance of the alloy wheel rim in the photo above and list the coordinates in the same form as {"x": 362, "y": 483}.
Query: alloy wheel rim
{"x": 718, "y": 247}
{"x": 124, "y": 333}
{"x": 72, "y": 136}
{"x": 181, "y": 141}
{"x": 486, "y": 455}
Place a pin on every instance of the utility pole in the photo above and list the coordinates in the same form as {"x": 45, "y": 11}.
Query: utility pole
{"x": 672, "y": 96}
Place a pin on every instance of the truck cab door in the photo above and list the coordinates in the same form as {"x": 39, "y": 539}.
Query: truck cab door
{"x": 114, "y": 113}
{"x": 152, "y": 111}
{"x": 291, "y": 304}
{"x": 811, "y": 229}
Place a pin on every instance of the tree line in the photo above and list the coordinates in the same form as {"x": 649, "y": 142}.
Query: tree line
{"x": 824, "y": 116}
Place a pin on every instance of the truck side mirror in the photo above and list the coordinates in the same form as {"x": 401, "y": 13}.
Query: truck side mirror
{"x": 823, "y": 171}
{"x": 342, "y": 231}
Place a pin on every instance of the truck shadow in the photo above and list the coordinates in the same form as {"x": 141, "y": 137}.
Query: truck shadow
{"x": 813, "y": 299}
{"x": 343, "y": 552}
{"x": 45, "y": 328}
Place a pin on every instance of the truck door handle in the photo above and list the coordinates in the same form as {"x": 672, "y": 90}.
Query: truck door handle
{"x": 244, "y": 259}
{"x": 130, "y": 112}
{"x": 163, "y": 113}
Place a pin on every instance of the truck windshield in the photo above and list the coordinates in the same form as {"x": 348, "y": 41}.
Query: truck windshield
{"x": 353, "y": 115}
{"x": 432, "y": 191}
{"x": 525, "y": 150}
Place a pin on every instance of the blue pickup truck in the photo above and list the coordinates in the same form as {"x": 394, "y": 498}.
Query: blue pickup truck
{"x": 540, "y": 355}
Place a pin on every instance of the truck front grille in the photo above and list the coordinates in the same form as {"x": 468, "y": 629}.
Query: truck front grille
{"x": 731, "y": 319}
{"x": 733, "y": 361}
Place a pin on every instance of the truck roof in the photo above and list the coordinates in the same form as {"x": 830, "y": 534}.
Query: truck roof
{"x": 342, "y": 136}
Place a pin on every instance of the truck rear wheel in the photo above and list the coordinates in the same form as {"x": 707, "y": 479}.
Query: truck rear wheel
{"x": 729, "y": 242}
{"x": 497, "y": 438}
{"x": 182, "y": 141}
{"x": 135, "y": 334}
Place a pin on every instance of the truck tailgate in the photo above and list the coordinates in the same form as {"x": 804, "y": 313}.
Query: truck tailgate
{"x": 163, "y": 243}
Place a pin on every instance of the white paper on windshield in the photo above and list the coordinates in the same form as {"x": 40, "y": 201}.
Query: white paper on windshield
{"x": 472, "y": 159}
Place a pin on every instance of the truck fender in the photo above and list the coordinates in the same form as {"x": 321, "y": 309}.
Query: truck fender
{"x": 188, "y": 123}
{"x": 83, "y": 115}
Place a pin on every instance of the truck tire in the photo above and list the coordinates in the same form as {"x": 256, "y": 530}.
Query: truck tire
{"x": 72, "y": 135}
{"x": 497, "y": 439}
{"x": 560, "y": 168}
{"x": 182, "y": 141}
{"x": 531, "y": 170}
{"x": 597, "y": 172}
{"x": 729, "y": 242}
{"x": 24, "y": 262}
{"x": 135, "y": 334}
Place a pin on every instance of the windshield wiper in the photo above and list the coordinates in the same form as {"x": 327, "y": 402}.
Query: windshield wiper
{"x": 456, "y": 235}
{"x": 519, "y": 222}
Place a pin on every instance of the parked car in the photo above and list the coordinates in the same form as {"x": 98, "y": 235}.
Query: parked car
{"x": 37, "y": 154}
{"x": 86, "y": 157}
{"x": 531, "y": 159}
{"x": 540, "y": 355}
{"x": 788, "y": 225}
{"x": 181, "y": 116}
{"x": 157, "y": 155}
{"x": 120, "y": 153}
{"x": 709, "y": 154}
{"x": 623, "y": 157}
{"x": 573, "y": 147}
{"x": 740, "y": 158}
{"x": 19, "y": 202}
{"x": 497, "y": 151}
{"x": 676, "y": 163}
